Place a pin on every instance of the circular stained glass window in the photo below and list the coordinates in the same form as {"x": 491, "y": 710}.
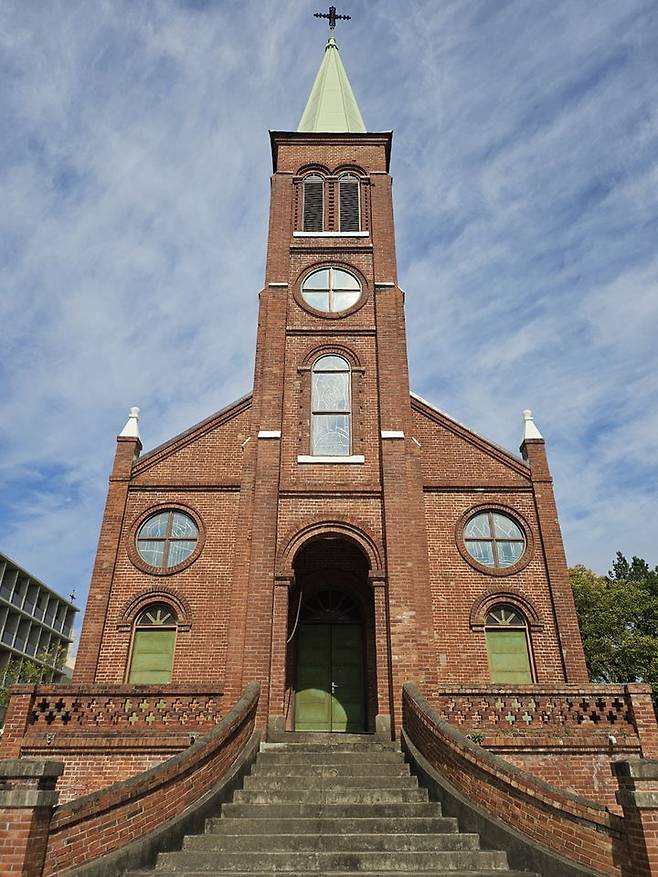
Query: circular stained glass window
{"x": 331, "y": 290}
{"x": 167, "y": 538}
{"x": 494, "y": 539}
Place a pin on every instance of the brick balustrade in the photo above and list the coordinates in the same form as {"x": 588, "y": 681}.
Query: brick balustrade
{"x": 87, "y": 828}
{"x": 579, "y": 830}
{"x": 570, "y": 712}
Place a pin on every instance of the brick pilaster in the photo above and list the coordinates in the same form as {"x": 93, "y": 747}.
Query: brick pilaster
{"x": 127, "y": 450}
{"x": 571, "y": 645}
{"x": 638, "y": 796}
{"x": 27, "y": 799}
{"x": 16, "y": 720}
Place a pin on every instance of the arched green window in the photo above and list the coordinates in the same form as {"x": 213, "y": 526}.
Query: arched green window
{"x": 154, "y": 640}
{"x": 508, "y": 645}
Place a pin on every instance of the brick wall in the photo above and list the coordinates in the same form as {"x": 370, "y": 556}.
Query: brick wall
{"x": 87, "y": 828}
{"x": 104, "y": 734}
{"x": 576, "y": 828}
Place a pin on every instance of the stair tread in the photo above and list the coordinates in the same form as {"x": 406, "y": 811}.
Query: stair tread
{"x": 330, "y": 809}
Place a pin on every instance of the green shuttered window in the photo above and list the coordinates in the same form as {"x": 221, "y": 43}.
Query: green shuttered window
{"x": 507, "y": 646}
{"x": 153, "y": 646}
{"x": 313, "y": 218}
{"x": 349, "y": 203}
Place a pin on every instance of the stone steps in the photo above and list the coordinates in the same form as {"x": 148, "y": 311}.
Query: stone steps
{"x": 331, "y": 843}
{"x": 343, "y": 806}
{"x": 332, "y": 825}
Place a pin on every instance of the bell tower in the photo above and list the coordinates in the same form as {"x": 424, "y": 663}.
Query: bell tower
{"x": 331, "y": 457}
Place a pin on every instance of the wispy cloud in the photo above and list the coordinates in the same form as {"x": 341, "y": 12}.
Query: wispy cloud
{"x": 134, "y": 171}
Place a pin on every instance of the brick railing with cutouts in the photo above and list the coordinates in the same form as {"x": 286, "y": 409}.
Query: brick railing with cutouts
{"x": 572, "y": 712}
{"x": 580, "y": 830}
{"x": 106, "y": 733}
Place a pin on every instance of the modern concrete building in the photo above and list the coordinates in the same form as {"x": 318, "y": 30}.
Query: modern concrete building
{"x": 36, "y": 624}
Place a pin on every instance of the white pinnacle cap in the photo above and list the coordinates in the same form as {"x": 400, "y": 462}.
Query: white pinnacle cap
{"x": 530, "y": 430}
{"x": 131, "y": 429}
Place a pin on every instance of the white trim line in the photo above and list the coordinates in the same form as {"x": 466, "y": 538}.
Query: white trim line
{"x": 392, "y": 434}
{"x": 386, "y": 283}
{"x": 269, "y": 434}
{"x": 331, "y": 234}
{"x": 354, "y": 458}
{"x": 277, "y": 284}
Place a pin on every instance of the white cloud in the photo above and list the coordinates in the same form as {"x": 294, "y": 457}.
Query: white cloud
{"x": 134, "y": 181}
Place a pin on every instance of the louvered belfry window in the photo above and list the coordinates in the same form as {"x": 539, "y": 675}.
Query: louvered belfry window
{"x": 313, "y": 203}
{"x": 349, "y": 203}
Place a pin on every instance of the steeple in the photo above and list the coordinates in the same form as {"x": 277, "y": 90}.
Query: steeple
{"x": 331, "y": 106}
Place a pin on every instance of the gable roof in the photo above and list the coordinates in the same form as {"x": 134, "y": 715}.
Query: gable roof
{"x": 192, "y": 434}
{"x": 502, "y": 455}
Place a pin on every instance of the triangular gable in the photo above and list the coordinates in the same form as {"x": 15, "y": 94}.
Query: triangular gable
{"x": 217, "y": 438}
{"x": 453, "y": 453}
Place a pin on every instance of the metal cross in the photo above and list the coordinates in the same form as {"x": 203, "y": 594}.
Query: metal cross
{"x": 333, "y": 18}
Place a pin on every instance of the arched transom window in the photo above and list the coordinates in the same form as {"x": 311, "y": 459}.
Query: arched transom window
{"x": 350, "y": 219}
{"x": 494, "y": 539}
{"x": 154, "y": 640}
{"x": 313, "y": 210}
{"x": 331, "y": 290}
{"x": 167, "y": 538}
{"x": 508, "y": 645}
{"x": 331, "y": 407}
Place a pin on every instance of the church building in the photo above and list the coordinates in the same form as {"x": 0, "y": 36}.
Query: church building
{"x": 332, "y": 535}
{"x": 336, "y": 594}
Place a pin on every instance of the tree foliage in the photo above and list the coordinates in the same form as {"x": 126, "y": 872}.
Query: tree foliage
{"x": 29, "y": 670}
{"x": 618, "y": 616}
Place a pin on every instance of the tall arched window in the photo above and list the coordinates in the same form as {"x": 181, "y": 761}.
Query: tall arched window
{"x": 313, "y": 211}
{"x": 154, "y": 639}
{"x": 331, "y": 407}
{"x": 508, "y": 645}
{"x": 350, "y": 219}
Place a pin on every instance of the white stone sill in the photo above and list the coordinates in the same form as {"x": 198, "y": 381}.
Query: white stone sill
{"x": 355, "y": 458}
{"x": 331, "y": 234}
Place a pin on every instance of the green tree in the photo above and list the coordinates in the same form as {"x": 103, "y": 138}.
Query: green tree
{"x": 618, "y": 616}
{"x": 29, "y": 670}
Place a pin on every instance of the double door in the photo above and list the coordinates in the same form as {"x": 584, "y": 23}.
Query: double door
{"x": 330, "y": 693}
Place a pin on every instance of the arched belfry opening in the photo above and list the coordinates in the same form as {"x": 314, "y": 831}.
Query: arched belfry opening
{"x": 331, "y": 660}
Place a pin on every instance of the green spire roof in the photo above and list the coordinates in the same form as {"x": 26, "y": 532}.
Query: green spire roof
{"x": 331, "y": 105}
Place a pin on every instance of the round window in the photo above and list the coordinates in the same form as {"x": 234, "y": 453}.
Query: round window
{"x": 166, "y": 539}
{"x": 331, "y": 290}
{"x": 494, "y": 539}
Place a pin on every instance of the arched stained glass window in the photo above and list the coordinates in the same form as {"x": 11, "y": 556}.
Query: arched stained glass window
{"x": 154, "y": 640}
{"x": 313, "y": 210}
{"x": 348, "y": 188}
{"x": 507, "y": 645}
{"x": 331, "y": 407}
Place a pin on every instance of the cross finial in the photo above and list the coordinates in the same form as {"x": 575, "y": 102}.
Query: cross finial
{"x": 332, "y": 16}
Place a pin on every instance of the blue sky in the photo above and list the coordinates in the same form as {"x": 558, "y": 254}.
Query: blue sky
{"x": 134, "y": 181}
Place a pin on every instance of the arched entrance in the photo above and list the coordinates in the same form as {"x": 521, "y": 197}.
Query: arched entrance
{"x": 331, "y": 656}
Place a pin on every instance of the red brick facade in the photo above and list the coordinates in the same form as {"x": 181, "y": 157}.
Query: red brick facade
{"x": 256, "y": 506}
{"x": 275, "y": 524}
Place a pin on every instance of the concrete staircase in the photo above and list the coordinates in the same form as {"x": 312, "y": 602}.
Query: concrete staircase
{"x": 331, "y": 805}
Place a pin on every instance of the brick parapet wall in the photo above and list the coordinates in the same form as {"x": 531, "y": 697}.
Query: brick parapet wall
{"x": 579, "y": 830}
{"x": 569, "y": 735}
{"x": 92, "y": 826}
{"x": 106, "y": 733}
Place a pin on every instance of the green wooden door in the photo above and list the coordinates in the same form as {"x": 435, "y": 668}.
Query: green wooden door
{"x": 329, "y": 693}
{"x": 509, "y": 660}
{"x": 153, "y": 657}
